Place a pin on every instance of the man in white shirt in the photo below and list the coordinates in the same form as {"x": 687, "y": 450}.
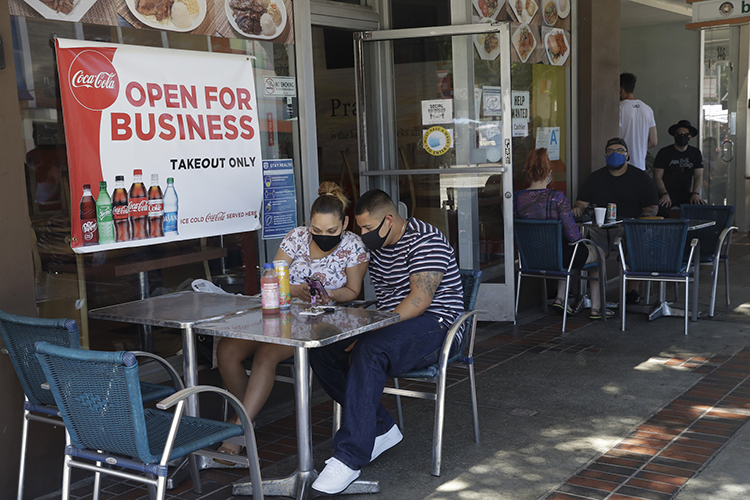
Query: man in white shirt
{"x": 637, "y": 124}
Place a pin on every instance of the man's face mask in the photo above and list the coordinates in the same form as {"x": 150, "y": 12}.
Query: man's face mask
{"x": 682, "y": 140}
{"x": 373, "y": 240}
{"x": 616, "y": 158}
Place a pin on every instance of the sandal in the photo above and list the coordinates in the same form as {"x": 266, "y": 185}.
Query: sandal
{"x": 595, "y": 314}
{"x": 557, "y": 305}
{"x": 224, "y": 448}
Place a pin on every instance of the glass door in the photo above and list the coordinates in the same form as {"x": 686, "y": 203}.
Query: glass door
{"x": 434, "y": 131}
{"x": 719, "y": 102}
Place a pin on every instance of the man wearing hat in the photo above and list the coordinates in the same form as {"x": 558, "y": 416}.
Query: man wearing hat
{"x": 625, "y": 185}
{"x": 678, "y": 170}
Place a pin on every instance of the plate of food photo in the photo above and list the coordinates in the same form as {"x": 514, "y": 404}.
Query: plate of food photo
{"x": 557, "y": 47}
{"x": 262, "y": 19}
{"x": 63, "y": 10}
{"x": 563, "y": 8}
{"x": 524, "y": 41}
{"x": 172, "y": 15}
{"x": 488, "y": 46}
{"x": 488, "y": 8}
{"x": 549, "y": 12}
{"x": 524, "y": 10}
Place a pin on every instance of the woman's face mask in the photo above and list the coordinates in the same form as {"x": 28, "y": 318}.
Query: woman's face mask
{"x": 327, "y": 242}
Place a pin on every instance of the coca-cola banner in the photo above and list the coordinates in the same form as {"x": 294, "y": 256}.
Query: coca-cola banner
{"x": 163, "y": 145}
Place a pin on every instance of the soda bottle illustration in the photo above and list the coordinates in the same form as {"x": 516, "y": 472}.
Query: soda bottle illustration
{"x": 89, "y": 231}
{"x": 138, "y": 206}
{"x": 155, "y": 208}
{"x": 120, "y": 211}
{"x": 171, "y": 203}
{"x": 104, "y": 215}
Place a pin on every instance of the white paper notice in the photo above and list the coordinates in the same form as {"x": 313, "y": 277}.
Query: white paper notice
{"x": 549, "y": 137}
{"x": 437, "y": 111}
{"x": 520, "y": 113}
{"x": 492, "y": 100}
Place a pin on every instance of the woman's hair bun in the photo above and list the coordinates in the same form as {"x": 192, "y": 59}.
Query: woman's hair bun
{"x": 331, "y": 200}
{"x": 333, "y": 189}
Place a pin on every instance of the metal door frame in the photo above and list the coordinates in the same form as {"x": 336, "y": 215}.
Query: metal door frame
{"x": 497, "y": 299}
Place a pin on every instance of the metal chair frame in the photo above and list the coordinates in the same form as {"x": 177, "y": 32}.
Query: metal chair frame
{"x": 152, "y": 458}
{"x": 720, "y": 252}
{"x": 557, "y": 271}
{"x": 675, "y": 277}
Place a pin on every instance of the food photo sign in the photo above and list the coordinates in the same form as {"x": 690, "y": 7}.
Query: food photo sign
{"x": 269, "y": 20}
{"x": 539, "y": 30}
{"x": 158, "y": 151}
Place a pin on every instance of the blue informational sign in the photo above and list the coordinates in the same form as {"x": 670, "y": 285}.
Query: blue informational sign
{"x": 279, "y": 198}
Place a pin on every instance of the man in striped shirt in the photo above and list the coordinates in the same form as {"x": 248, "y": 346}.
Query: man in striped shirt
{"x": 414, "y": 272}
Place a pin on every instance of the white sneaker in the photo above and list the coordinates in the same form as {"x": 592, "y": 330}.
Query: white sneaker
{"x": 386, "y": 441}
{"x": 335, "y": 478}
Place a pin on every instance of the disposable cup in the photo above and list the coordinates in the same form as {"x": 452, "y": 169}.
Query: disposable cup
{"x": 600, "y": 213}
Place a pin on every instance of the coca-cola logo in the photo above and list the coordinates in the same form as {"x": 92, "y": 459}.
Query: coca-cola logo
{"x": 138, "y": 207}
{"x": 155, "y": 206}
{"x": 120, "y": 211}
{"x": 93, "y": 80}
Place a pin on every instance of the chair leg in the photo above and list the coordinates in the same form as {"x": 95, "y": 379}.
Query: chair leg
{"x": 623, "y": 283}
{"x": 97, "y": 482}
{"x": 518, "y": 295}
{"x": 696, "y": 284}
{"x": 714, "y": 285}
{"x": 195, "y": 474}
{"x": 437, "y": 434}
{"x": 565, "y": 302}
{"x": 474, "y": 405}
{"x": 726, "y": 278}
{"x": 66, "y": 471}
{"x": 22, "y": 467}
{"x": 687, "y": 302}
{"x": 544, "y": 296}
{"x": 648, "y": 292}
{"x": 161, "y": 488}
{"x": 398, "y": 406}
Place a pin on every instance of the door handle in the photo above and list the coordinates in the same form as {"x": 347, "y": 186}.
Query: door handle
{"x": 727, "y": 151}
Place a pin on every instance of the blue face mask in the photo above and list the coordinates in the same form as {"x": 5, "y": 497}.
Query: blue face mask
{"x": 615, "y": 160}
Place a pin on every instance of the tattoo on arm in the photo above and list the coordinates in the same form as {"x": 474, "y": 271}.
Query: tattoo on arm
{"x": 650, "y": 211}
{"x": 426, "y": 283}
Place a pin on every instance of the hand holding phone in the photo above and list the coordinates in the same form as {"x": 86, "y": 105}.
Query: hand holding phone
{"x": 316, "y": 287}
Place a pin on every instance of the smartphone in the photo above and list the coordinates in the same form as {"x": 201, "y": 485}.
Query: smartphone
{"x": 317, "y": 286}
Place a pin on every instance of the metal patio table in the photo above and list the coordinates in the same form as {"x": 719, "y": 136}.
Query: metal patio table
{"x": 303, "y": 333}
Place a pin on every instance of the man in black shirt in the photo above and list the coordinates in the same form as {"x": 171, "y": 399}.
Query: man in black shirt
{"x": 630, "y": 188}
{"x": 678, "y": 170}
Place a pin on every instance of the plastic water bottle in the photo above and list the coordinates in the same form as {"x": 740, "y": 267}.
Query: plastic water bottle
{"x": 269, "y": 290}
{"x": 171, "y": 207}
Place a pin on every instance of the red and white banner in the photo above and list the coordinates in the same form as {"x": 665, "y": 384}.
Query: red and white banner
{"x": 158, "y": 114}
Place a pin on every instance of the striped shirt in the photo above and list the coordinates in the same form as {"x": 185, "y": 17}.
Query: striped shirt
{"x": 422, "y": 248}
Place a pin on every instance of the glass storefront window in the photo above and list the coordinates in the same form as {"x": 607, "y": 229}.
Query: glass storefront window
{"x": 115, "y": 276}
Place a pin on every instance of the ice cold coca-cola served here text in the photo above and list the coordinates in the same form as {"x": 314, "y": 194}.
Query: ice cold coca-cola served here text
{"x": 155, "y": 208}
{"x": 138, "y": 206}
{"x": 89, "y": 231}
{"x": 104, "y": 215}
{"x": 120, "y": 210}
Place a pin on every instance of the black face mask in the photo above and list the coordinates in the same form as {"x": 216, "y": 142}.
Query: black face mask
{"x": 326, "y": 242}
{"x": 373, "y": 240}
{"x": 681, "y": 140}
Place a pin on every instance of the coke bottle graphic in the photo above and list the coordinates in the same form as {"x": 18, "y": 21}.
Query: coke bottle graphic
{"x": 155, "y": 208}
{"x": 138, "y": 206}
{"x": 120, "y": 210}
{"x": 171, "y": 203}
{"x": 104, "y": 215}
{"x": 89, "y": 231}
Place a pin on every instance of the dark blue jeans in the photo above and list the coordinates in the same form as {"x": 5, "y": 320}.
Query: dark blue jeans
{"x": 358, "y": 386}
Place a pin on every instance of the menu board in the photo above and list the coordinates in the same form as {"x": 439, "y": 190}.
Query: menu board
{"x": 138, "y": 117}
{"x": 268, "y": 20}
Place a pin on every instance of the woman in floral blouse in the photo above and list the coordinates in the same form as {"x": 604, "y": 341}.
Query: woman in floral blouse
{"x": 326, "y": 251}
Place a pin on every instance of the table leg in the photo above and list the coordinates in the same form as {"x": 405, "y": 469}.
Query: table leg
{"x": 145, "y": 335}
{"x": 297, "y": 485}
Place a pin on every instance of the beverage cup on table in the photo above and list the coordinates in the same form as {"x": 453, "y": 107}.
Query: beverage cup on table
{"x": 599, "y": 214}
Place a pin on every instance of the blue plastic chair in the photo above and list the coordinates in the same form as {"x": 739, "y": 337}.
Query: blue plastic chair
{"x": 19, "y": 334}
{"x": 714, "y": 241}
{"x": 100, "y": 401}
{"x": 655, "y": 253}
{"x": 540, "y": 255}
{"x": 437, "y": 373}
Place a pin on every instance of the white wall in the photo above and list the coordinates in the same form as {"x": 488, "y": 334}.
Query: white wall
{"x": 666, "y": 60}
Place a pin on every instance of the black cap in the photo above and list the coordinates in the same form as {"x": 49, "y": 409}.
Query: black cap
{"x": 616, "y": 140}
{"x": 683, "y": 124}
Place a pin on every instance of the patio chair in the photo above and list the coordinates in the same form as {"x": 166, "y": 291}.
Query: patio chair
{"x": 437, "y": 373}
{"x": 714, "y": 242}
{"x": 100, "y": 401}
{"x": 654, "y": 253}
{"x": 19, "y": 334}
{"x": 540, "y": 246}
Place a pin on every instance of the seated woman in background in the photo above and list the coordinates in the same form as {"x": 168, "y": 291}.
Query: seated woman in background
{"x": 539, "y": 202}
{"x": 326, "y": 251}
